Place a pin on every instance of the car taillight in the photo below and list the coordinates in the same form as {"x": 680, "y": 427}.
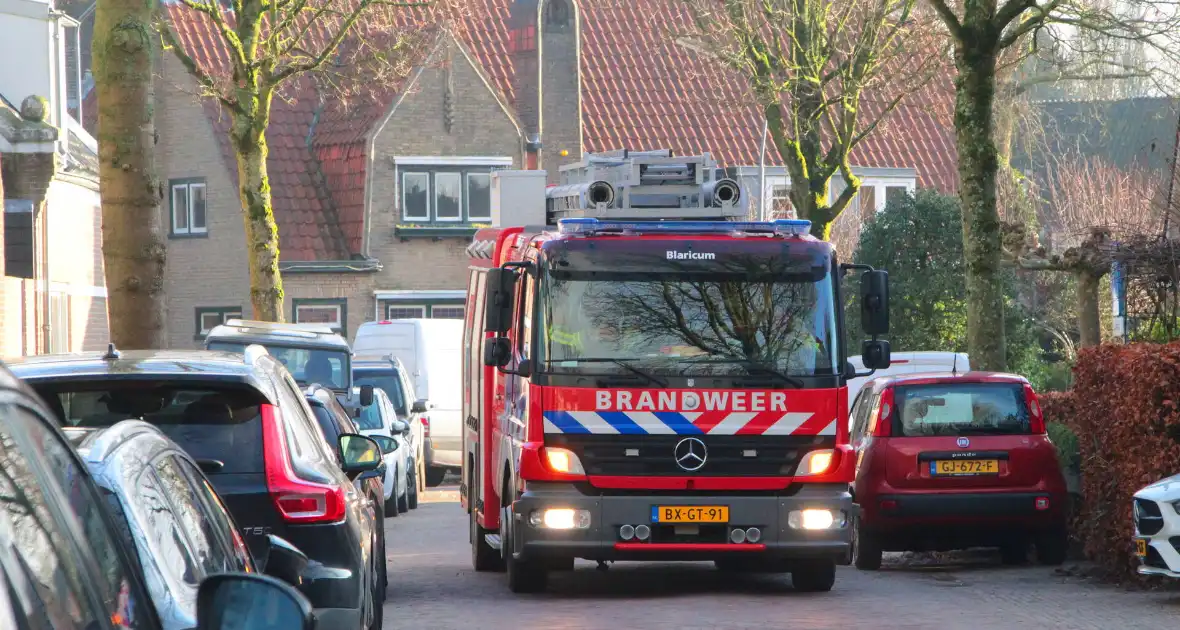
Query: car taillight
{"x": 425, "y": 427}
{"x": 883, "y": 415}
{"x": 298, "y": 501}
{"x": 1036, "y": 417}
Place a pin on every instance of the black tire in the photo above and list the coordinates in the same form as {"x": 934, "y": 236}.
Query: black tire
{"x": 814, "y": 576}
{"x": 484, "y": 558}
{"x": 420, "y": 474}
{"x": 866, "y": 549}
{"x": 1052, "y": 547}
{"x": 523, "y": 576}
{"x": 383, "y": 571}
{"x": 413, "y": 491}
{"x": 403, "y": 502}
{"x": 378, "y": 608}
{"x": 391, "y": 507}
{"x": 434, "y": 476}
{"x": 1014, "y": 553}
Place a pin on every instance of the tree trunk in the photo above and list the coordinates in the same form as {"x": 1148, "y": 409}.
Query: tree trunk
{"x": 262, "y": 233}
{"x": 974, "y": 95}
{"x": 1089, "y": 321}
{"x": 132, "y": 240}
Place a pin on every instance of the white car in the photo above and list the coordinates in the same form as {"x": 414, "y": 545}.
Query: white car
{"x": 400, "y": 482}
{"x": 1156, "y": 512}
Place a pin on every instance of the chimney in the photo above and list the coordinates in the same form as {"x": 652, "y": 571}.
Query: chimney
{"x": 526, "y": 78}
{"x": 532, "y": 151}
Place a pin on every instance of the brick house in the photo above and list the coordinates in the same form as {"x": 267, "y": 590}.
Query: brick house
{"x": 53, "y": 293}
{"x": 376, "y": 202}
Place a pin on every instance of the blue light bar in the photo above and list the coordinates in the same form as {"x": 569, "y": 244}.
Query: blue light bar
{"x": 779, "y": 227}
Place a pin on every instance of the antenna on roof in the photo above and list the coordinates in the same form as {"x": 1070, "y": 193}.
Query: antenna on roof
{"x": 112, "y": 353}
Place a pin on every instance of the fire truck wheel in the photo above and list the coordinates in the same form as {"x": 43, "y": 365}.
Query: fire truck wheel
{"x": 814, "y": 576}
{"x": 483, "y": 556}
{"x": 523, "y": 576}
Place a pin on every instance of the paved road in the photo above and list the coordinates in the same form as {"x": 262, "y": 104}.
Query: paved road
{"x": 433, "y": 587}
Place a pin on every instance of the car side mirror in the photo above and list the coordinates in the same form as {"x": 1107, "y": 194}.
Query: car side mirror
{"x": 874, "y": 302}
{"x": 497, "y": 352}
{"x": 358, "y": 453}
{"x": 366, "y": 395}
{"x": 387, "y": 444}
{"x": 419, "y": 406}
{"x": 399, "y": 427}
{"x": 249, "y": 601}
{"x": 875, "y": 354}
{"x": 284, "y": 560}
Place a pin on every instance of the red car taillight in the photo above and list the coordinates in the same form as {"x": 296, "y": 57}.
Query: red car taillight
{"x": 425, "y": 427}
{"x": 1036, "y": 417}
{"x": 883, "y": 415}
{"x": 298, "y": 501}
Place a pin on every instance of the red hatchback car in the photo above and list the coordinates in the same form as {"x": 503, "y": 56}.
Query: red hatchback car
{"x": 949, "y": 461}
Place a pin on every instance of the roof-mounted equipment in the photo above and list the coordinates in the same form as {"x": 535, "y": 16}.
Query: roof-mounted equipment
{"x": 644, "y": 186}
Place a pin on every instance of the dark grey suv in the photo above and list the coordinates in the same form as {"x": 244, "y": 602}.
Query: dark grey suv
{"x": 72, "y": 569}
{"x": 245, "y": 422}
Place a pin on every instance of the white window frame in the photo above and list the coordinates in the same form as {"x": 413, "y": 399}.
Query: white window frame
{"x": 189, "y": 187}
{"x": 223, "y": 315}
{"x": 429, "y": 197}
{"x": 459, "y": 188}
{"x": 339, "y": 308}
{"x": 461, "y": 307}
{"x": 467, "y": 193}
{"x": 421, "y": 310}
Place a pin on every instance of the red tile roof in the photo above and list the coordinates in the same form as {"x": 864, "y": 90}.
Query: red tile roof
{"x": 640, "y": 90}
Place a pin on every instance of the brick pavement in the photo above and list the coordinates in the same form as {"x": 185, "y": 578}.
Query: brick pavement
{"x": 433, "y": 587}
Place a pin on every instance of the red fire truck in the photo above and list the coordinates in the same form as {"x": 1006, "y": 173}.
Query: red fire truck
{"x": 649, "y": 378}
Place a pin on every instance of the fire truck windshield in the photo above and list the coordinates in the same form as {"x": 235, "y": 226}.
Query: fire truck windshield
{"x": 668, "y": 323}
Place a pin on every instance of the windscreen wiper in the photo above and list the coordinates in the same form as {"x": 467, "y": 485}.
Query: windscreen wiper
{"x": 651, "y": 378}
{"x": 752, "y": 367}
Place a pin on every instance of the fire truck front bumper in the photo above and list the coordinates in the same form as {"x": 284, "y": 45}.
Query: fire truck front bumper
{"x": 555, "y": 522}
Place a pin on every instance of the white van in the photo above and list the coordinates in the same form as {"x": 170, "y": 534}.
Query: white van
{"x": 432, "y": 352}
{"x": 910, "y": 363}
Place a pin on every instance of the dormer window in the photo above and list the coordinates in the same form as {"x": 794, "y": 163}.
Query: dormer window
{"x": 524, "y": 39}
{"x": 557, "y": 15}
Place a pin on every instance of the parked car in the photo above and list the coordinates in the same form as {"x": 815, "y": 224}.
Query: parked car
{"x": 389, "y": 374}
{"x": 245, "y": 422}
{"x": 312, "y": 353}
{"x": 334, "y": 424}
{"x": 379, "y": 422}
{"x": 170, "y": 518}
{"x": 432, "y": 352}
{"x": 1156, "y": 513}
{"x": 948, "y": 461}
{"x": 909, "y": 363}
{"x": 72, "y": 568}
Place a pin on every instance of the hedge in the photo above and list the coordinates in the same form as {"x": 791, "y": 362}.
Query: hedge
{"x": 1124, "y": 409}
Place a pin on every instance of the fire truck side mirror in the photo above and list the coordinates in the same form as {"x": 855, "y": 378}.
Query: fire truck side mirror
{"x": 498, "y": 294}
{"x": 874, "y": 302}
{"x": 875, "y": 354}
{"x": 497, "y": 352}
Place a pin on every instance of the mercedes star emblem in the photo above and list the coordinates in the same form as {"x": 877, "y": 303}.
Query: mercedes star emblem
{"x": 690, "y": 454}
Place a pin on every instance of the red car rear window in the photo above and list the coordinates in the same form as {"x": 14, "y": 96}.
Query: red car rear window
{"x": 960, "y": 409}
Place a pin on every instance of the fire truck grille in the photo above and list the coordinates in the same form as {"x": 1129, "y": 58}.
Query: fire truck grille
{"x": 656, "y": 455}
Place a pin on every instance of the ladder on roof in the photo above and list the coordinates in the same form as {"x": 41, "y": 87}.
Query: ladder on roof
{"x": 644, "y": 185}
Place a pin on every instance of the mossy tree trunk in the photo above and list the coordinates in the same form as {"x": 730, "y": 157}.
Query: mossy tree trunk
{"x": 976, "y": 54}
{"x": 132, "y": 235}
{"x": 248, "y": 138}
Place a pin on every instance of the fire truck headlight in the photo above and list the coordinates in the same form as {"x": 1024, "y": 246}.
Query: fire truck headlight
{"x": 815, "y": 519}
{"x": 560, "y": 518}
{"x": 815, "y": 463}
{"x": 563, "y": 461}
